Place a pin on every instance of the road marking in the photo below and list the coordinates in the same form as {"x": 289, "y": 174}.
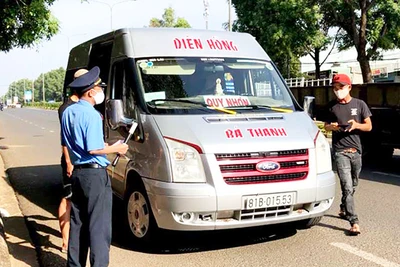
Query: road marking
{"x": 365, "y": 255}
{"x": 18, "y": 146}
{"x": 387, "y": 174}
{"x": 51, "y": 131}
{"x": 43, "y": 128}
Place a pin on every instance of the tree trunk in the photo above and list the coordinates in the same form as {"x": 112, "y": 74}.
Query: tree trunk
{"x": 317, "y": 65}
{"x": 362, "y": 45}
{"x": 365, "y": 68}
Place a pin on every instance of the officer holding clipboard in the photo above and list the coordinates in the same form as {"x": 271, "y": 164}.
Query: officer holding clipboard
{"x": 82, "y": 133}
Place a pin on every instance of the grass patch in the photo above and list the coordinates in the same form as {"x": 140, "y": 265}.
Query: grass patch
{"x": 45, "y": 105}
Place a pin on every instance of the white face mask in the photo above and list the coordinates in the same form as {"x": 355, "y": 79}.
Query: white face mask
{"x": 342, "y": 93}
{"x": 99, "y": 97}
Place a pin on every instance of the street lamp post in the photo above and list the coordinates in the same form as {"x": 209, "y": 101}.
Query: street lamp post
{"x": 230, "y": 16}
{"x": 111, "y": 8}
{"x": 44, "y": 97}
{"x": 69, "y": 36}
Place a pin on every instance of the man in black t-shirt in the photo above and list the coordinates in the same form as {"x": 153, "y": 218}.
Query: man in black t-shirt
{"x": 349, "y": 117}
{"x": 64, "y": 209}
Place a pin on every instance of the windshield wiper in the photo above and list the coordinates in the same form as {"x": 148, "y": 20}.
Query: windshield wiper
{"x": 192, "y": 102}
{"x": 288, "y": 110}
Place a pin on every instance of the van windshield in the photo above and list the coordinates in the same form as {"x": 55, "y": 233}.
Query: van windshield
{"x": 199, "y": 85}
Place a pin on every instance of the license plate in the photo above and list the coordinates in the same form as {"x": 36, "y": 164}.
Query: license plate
{"x": 267, "y": 201}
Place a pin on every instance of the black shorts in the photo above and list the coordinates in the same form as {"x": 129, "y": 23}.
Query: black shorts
{"x": 66, "y": 181}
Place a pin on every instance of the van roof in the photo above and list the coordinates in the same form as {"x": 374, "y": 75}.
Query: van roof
{"x": 182, "y": 42}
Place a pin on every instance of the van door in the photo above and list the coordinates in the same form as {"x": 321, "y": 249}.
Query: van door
{"x": 121, "y": 87}
{"x": 100, "y": 55}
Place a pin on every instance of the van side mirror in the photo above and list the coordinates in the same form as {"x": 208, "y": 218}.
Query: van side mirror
{"x": 115, "y": 114}
{"x": 308, "y": 105}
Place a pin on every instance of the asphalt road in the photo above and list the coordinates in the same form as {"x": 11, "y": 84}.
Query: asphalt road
{"x": 29, "y": 145}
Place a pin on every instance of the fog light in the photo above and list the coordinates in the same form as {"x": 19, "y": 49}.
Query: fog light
{"x": 186, "y": 216}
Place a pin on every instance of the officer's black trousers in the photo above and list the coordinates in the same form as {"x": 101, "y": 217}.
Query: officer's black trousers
{"x": 90, "y": 218}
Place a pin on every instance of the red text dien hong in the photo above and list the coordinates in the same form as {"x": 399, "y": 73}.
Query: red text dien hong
{"x": 214, "y": 44}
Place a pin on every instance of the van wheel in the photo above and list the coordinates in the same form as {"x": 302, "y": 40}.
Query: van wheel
{"x": 139, "y": 218}
{"x": 305, "y": 224}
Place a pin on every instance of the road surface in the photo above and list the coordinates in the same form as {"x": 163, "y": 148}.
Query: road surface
{"x": 29, "y": 145}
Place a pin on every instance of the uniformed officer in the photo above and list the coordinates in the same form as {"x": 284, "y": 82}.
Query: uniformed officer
{"x": 91, "y": 201}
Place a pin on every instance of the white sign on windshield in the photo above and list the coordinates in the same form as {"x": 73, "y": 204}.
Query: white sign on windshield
{"x": 226, "y": 101}
{"x": 154, "y": 95}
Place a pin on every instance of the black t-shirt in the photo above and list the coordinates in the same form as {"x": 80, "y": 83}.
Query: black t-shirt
{"x": 62, "y": 108}
{"x": 356, "y": 110}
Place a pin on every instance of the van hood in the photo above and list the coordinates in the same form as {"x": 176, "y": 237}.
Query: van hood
{"x": 241, "y": 133}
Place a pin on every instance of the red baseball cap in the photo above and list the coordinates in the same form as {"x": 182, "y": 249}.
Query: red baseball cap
{"x": 342, "y": 79}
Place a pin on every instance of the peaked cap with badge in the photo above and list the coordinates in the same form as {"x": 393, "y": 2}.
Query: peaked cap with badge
{"x": 87, "y": 81}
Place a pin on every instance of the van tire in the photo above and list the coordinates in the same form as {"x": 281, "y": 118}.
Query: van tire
{"x": 138, "y": 217}
{"x": 305, "y": 224}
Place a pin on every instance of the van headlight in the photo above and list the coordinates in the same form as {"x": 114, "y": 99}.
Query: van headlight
{"x": 187, "y": 166}
{"x": 322, "y": 153}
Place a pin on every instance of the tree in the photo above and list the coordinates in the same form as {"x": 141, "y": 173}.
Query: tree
{"x": 53, "y": 85}
{"x": 169, "y": 20}
{"x": 371, "y": 26}
{"x": 18, "y": 88}
{"x": 25, "y": 22}
{"x": 286, "y": 29}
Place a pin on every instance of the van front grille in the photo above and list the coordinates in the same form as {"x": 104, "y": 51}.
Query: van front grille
{"x": 266, "y": 178}
{"x": 262, "y": 213}
{"x": 264, "y": 167}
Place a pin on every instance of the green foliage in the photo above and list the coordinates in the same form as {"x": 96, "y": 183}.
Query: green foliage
{"x": 371, "y": 26}
{"x": 45, "y": 105}
{"x": 297, "y": 27}
{"x": 24, "y": 23}
{"x": 321, "y": 127}
{"x": 286, "y": 29}
{"x": 53, "y": 85}
{"x": 169, "y": 20}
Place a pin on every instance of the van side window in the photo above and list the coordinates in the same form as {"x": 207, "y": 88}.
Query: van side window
{"x": 122, "y": 87}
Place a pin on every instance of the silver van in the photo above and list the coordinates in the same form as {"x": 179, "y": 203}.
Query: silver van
{"x": 220, "y": 140}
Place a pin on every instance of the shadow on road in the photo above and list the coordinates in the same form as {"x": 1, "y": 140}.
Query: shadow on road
{"x": 188, "y": 242}
{"x": 41, "y": 185}
{"x": 17, "y": 241}
{"x": 387, "y": 172}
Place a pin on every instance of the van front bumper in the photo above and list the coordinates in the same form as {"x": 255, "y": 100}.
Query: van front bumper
{"x": 193, "y": 207}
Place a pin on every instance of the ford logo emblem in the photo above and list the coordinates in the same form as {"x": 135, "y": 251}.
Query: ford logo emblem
{"x": 267, "y": 166}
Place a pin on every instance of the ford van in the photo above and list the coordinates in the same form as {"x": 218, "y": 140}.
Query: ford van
{"x": 220, "y": 142}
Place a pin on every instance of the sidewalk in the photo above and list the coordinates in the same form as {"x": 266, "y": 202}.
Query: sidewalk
{"x": 16, "y": 249}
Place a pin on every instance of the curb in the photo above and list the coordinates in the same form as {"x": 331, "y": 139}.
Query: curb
{"x": 5, "y": 260}
{"x": 16, "y": 247}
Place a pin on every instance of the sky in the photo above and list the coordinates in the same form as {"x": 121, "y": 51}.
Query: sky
{"x": 82, "y": 21}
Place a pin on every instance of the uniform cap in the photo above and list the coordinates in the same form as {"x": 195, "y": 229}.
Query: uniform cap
{"x": 87, "y": 81}
{"x": 342, "y": 79}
